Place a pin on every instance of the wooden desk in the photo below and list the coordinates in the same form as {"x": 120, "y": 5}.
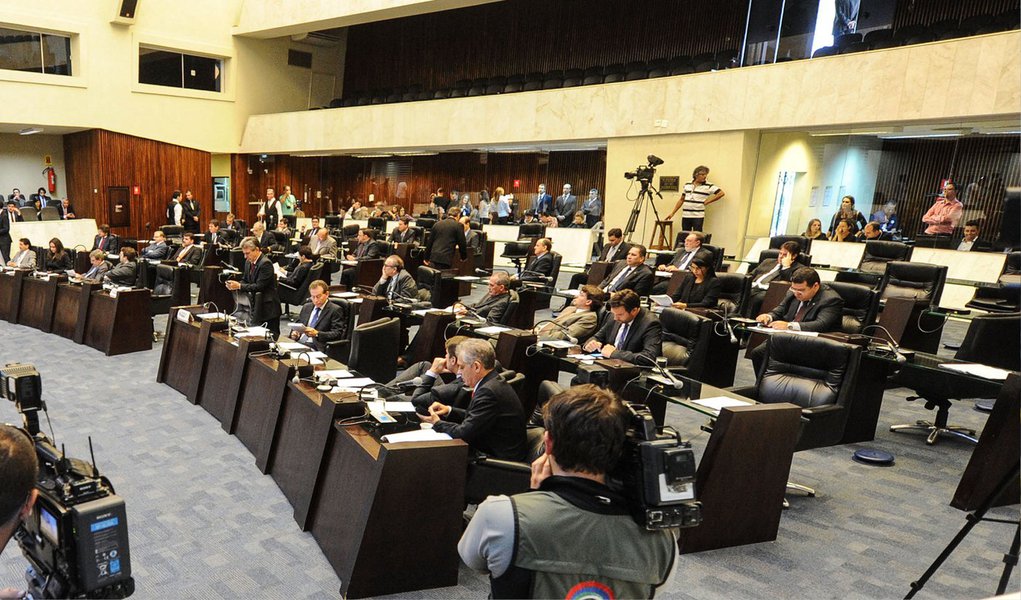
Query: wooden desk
{"x": 184, "y": 350}
{"x": 258, "y": 405}
{"x": 119, "y": 325}
{"x": 218, "y": 394}
{"x": 38, "y": 299}
{"x": 72, "y": 309}
{"x": 388, "y": 516}
{"x": 10, "y": 293}
{"x": 211, "y": 289}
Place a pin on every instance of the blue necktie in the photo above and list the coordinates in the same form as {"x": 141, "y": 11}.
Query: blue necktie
{"x": 622, "y": 335}
{"x": 315, "y": 318}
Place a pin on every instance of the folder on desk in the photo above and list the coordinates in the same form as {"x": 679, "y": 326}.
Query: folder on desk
{"x": 720, "y": 402}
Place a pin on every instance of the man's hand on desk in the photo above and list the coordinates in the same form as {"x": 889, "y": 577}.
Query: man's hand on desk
{"x": 351, "y": 257}
{"x": 436, "y": 412}
{"x": 608, "y": 349}
{"x": 593, "y": 345}
{"x": 779, "y": 325}
{"x": 668, "y": 268}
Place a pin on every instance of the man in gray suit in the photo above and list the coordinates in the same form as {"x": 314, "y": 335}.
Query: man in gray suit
{"x": 126, "y": 271}
{"x": 395, "y": 283}
{"x": 25, "y": 257}
{"x": 566, "y": 206}
{"x": 323, "y": 245}
{"x": 97, "y": 270}
{"x": 493, "y": 305}
{"x": 577, "y": 321}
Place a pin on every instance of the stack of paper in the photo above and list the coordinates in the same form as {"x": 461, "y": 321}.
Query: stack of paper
{"x": 416, "y": 435}
{"x": 717, "y": 402}
{"x": 492, "y": 330}
{"x": 983, "y": 371}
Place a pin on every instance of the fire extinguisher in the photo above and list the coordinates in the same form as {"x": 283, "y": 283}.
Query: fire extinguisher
{"x": 51, "y": 179}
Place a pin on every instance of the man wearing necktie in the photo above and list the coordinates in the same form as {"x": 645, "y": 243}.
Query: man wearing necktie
{"x": 567, "y": 205}
{"x": 634, "y": 335}
{"x": 395, "y": 283}
{"x": 768, "y": 271}
{"x": 691, "y": 250}
{"x": 322, "y": 320}
{"x": 260, "y": 282}
{"x": 631, "y": 274}
{"x": 808, "y": 306}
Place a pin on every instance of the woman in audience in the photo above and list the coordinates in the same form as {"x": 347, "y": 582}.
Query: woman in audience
{"x": 704, "y": 291}
{"x": 849, "y": 212}
{"x": 466, "y": 209}
{"x": 578, "y": 222}
{"x": 57, "y": 259}
{"x": 844, "y": 231}
{"x": 814, "y": 231}
{"x": 485, "y": 206}
{"x": 400, "y": 213}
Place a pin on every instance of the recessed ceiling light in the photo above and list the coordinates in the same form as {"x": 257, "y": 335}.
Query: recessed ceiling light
{"x": 30, "y": 131}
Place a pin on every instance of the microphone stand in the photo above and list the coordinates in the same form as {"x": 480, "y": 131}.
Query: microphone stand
{"x": 562, "y": 328}
{"x": 665, "y": 373}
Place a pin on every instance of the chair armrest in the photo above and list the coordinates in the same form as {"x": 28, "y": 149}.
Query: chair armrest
{"x": 287, "y": 287}
{"x": 750, "y": 391}
{"x": 821, "y": 411}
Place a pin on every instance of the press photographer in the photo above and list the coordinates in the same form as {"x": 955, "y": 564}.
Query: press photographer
{"x": 19, "y": 469}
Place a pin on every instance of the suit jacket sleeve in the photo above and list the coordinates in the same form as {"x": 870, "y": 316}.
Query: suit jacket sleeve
{"x": 709, "y": 296}
{"x": 496, "y": 313}
{"x": 780, "y": 312}
{"x": 331, "y": 325}
{"x": 651, "y": 338}
{"x": 462, "y": 244}
{"x": 264, "y": 279}
{"x": 643, "y": 281}
{"x": 479, "y": 418}
{"x": 828, "y": 316}
{"x": 583, "y": 325}
{"x": 604, "y": 332}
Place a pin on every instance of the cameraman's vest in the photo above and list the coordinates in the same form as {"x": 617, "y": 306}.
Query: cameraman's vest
{"x": 572, "y": 552}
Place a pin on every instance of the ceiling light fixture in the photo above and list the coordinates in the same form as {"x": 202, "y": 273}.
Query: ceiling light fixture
{"x": 30, "y": 131}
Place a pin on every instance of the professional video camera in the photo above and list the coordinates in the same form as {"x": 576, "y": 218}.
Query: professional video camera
{"x": 644, "y": 173}
{"x": 76, "y": 539}
{"x": 657, "y": 474}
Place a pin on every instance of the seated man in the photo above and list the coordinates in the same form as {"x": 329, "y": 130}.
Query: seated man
{"x": 213, "y": 235}
{"x": 971, "y": 242}
{"x": 323, "y": 245}
{"x": 442, "y": 369}
{"x": 396, "y": 283}
{"x": 367, "y": 249}
{"x": 767, "y": 271}
{"x": 403, "y": 233}
{"x": 573, "y": 531}
{"x": 683, "y": 257}
{"x": 630, "y": 274}
{"x": 97, "y": 270}
{"x": 25, "y": 257}
{"x": 873, "y": 232}
{"x": 808, "y": 306}
{"x": 307, "y": 235}
{"x": 471, "y": 237}
{"x": 494, "y": 422}
{"x": 188, "y": 255}
{"x": 106, "y": 241}
{"x": 322, "y": 320}
{"x": 494, "y": 304}
{"x": 579, "y": 320}
{"x": 262, "y": 237}
{"x": 126, "y": 271}
{"x": 633, "y": 335}
{"x": 540, "y": 266}
{"x": 295, "y": 276}
{"x": 157, "y": 248}
{"x": 615, "y": 249}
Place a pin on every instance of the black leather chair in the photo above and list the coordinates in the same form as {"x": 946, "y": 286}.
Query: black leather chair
{"x": 861, "y": 305}
{"x": 878, "y": 253}
{"x": 772, "y": 253}
{"x": 816, "y": 374}
{"x": 681, "y": 235}
{"x": 778, "y": 240}
{"x": 373, "y": 349}
{"x": 172, "y": 233}
{"x": 919, "y": 281}
{"x": 377, "y": 223}
{"x": 531, "y": 231}
{"x": 298, "y": 295}
{"x": 993, "y": 340}
{"x": 350, "y": 231}
{"x": 429, "y": 281}
{"x": 717, "y": 253}
{"x": 512, "y": 307}
{"x": 685, "y": 341}
{"x": 426, "y": 223}
{"x": 734, "y": 288}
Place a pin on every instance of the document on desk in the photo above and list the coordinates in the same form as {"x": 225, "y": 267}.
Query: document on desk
{"x": 353, "y": 384}
{"x": 208, "y": 316}
{"x": 718, "y": 402}
{"x": 333, "y": 374}
{"x": 349, "y": 263}
{"x": 466, "y": 278}
{"x": 314, "y": 358}
{"x": 388, "y": 406}
{"x": 424, "y": 311}
{"x": 252, "y": 332}
{"x": 571, "y": 293}
{"x": 293, "y": 347}
{"x": 416, "y": 435}
{"x": 344, "y": 295}
{"x": 559, "y": 344}
{"x": 492, "y": 330}
{"x": 770, "y": 331}
{"x": 983, "y": 371}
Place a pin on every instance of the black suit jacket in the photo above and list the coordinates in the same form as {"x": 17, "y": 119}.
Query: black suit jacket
{"x": 191, "y": 210}
{"x": 297, "y": 275}
{"x": 493, "y": 423}
{"x": 767, "y": 265}
{"x": 331, "y": 324}
{"x": 260, "y": 278}
{"x": 370, "y": 249}
{"x": 444, "y": 237}
{"x": 538, "y": 268}
{"x": 702, "y": 253}
{"x": 640, "y": 280}
{"x": 113, "y": 244}
{"x": 644, "y": 338}
{"x": 408, "y": 237}
{"x": 980, "y": 245}
{"x": 824, "y": 310}
{"x": 192, "y": 257}
{"x": 618, "y": 255}
{"x": 267, "y": 240}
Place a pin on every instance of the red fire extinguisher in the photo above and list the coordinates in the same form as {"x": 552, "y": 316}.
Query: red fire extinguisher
{"x": 51, "y": 179}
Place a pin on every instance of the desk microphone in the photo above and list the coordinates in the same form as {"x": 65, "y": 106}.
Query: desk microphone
{"x": 659, "y": 365}
{"x": 565, "y": 330}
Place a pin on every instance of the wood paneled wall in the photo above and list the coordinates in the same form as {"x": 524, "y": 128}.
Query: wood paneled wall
{"x": 910, "y": 173}
{"x": 98, "y": 159}
{"x": 339, "y": 178}
{"x": 926, "y": 12}
{"x": 522, "y": 36}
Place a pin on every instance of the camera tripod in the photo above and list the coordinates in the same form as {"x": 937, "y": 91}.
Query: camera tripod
{"x": 646, "y": 194}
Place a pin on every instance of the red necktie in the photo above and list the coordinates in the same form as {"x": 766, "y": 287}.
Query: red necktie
{"x": 801, "y": 312}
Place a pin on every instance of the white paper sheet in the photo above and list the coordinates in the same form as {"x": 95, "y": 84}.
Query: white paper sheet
{"x": 416, "y": 435}
{"x": 718, "y": 402}
{"x": 983, "y": 371}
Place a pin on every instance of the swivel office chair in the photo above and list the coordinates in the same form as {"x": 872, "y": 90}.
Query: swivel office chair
{"x": 878, "y": 254}
{"x": 778, "y": 240}
{"x": 373, "y": 350}
{"x": 685, "y": 341}
{"x": 861, "y": 305}
{"x": 918, "y": 281}
{"x": 298, "y": 295}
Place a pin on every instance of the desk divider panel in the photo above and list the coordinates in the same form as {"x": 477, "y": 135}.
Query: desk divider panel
{"x": 221, "y": 396}
{"x": 264, "y": 384}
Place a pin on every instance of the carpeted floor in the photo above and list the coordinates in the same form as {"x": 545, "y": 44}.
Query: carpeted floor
{"x": 204, "y": 523}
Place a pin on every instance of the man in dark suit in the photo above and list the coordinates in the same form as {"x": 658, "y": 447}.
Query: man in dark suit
{"x": 307, "y": 235}
{"x": 258, "y": 277}
{"x": 191, "y": 212}
{"x": 872, "y": 232}
{"x": 403, "y": 233}
{"x": 630, "y": 274}
{"x": 444, "y": 237}
{"x": 213, "y": 235}
{"x": 566, "y": 206}
{"x": 634, "y": 334}
{"x": 808, "y": 306}
{"x": 188, "y": 255}
{"x": 262, "y": 237}
{"x": 126, "y": 271}
{"x": 8, "y": 216}
{"x": 543, "y": 203}
{"x": 395, "y": 283}
{"x": 158, "y": 248}
{"x": 367, "y": 249}
{"x": 105, "y": 241}
{"x": 971, "y": 242}
{"x": 541, "y": 265}
{"x": 18, "y": 198}
{"x": 493, "y": 305}
{"x": 681, "y": 259}
{"x": 296, "y": 275}
{"x": 322, "y": 320}
{"x": 66, "y": 210}
{"x": 767, "y": 271}
{"x": 494, "y": 422}
{"x": 615, "y": 249}
{"x": 471, "y": 236}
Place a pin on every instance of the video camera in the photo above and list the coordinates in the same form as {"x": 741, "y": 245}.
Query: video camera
{"x": 76, "y": 539}
{"x": 644, "y": 173}
{"x": 657, "y": 474}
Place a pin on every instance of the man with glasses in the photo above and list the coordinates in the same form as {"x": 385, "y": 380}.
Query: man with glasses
{"x": 395, "y": 283}
{"x": 493, "y": 305}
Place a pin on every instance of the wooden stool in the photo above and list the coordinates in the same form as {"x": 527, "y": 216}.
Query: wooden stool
{"x": 666, "y": 236}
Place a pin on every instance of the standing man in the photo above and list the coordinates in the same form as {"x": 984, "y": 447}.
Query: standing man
{"x": 322, "y": 319}
{"x": 191, "y": 212}
{"x": 258, "y": 277}
{"x": 567, "y": 205}
{"x": 289, "y": 203}
{"x": 446, "y": 236}
{"x": 633, "y": 335}
{"x": 572, "y": 532}
{"x": 696, "y": 196}
{"x": 945, "y": 213}
{"x": 271, "y": 210}
{"x": 175, "y": 212}
{"x": 8, "y": 216}
{"x": 543, "y": 203}
{"x": 592, "y": 208}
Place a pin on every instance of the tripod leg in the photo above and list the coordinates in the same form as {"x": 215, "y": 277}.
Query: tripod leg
{"x": 1010, "y": 560}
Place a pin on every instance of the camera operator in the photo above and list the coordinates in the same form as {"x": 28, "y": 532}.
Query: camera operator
{"x": 573, "y": 533}
{"x": 19, "y": 469}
